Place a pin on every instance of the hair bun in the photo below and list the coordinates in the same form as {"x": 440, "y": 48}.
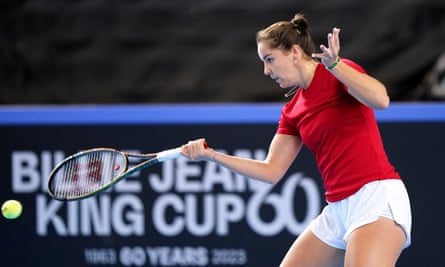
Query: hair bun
{"x": 299, "y": 22}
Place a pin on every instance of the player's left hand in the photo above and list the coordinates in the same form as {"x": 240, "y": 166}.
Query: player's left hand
{"x": 329, "y": 54}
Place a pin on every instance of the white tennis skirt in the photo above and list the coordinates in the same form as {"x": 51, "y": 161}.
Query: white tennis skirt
{"x": 387, "y": 198}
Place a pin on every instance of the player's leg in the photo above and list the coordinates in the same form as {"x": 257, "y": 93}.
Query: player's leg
{"x": 309, "y": 251}
{"x": 375, "y": 244}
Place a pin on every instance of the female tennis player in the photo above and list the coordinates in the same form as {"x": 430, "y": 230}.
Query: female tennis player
{"x": 367, "y": 219}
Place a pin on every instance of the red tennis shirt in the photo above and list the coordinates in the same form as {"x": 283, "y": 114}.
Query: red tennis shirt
{"x": 341, "y": 132}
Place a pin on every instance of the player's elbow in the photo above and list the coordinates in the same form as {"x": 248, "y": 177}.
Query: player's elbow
{"x": 274, "y": 179}
{"x": 378, "y": 101}
{"x": 268, "y": 177}
{"x": 274, "y": 176}
{"x": 382, "y": 103}
{"x": 274, "y": 170}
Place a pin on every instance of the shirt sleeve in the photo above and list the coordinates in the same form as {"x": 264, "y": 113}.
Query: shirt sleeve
{"x": 284, "y": 127}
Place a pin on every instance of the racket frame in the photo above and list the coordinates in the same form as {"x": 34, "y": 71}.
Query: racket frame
{"x": 148, "y": 160}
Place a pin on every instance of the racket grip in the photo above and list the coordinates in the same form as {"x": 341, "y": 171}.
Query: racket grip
{"x": 169, "y": 154}
{"x": 173, "y": 153}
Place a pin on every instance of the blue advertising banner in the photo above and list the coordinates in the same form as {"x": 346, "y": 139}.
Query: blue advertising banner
{"x": 186, "y": 213}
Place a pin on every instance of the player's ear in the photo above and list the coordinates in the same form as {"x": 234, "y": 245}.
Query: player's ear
{"x": 296, "y": 51}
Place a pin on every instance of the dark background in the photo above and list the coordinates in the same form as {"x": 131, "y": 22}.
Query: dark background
{"x": 170, "y": 51}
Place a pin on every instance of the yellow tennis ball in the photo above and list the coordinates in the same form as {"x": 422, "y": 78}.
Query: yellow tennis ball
{"x": 11, "y": 209}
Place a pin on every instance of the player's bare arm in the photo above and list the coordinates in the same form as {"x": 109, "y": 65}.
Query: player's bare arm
{"x": 361, "y": 86}
{"x": 282, "y": 151}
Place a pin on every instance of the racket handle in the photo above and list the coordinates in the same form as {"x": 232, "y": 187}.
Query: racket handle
{"x": 173, "y": 153}
{"x": 169, "y": 154}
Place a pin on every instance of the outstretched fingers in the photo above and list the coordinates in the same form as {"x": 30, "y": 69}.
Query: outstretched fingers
{"x": 329, "y": 54}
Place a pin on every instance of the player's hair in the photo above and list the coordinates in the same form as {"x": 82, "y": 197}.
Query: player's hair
{"x": 284, "y": 34}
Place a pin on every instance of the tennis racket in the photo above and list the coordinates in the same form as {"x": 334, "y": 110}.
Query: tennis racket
{"x": 92, "y": 171}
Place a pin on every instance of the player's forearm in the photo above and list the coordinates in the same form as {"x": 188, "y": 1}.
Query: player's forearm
{"x": 256, "y": 169}
{"x": 363, "y": 87}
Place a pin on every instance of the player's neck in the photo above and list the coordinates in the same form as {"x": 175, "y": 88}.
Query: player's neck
{"x": 308, "y": 73}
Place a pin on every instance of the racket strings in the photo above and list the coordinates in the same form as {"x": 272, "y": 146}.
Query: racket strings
{"x": 87, "y": 173}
